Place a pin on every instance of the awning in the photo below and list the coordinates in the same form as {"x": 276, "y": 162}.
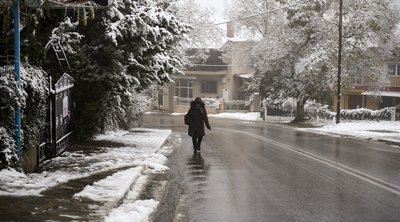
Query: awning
{"x": 381, "y": 93}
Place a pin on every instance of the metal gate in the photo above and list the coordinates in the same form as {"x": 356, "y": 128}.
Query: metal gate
{"x": 57, "y": 135}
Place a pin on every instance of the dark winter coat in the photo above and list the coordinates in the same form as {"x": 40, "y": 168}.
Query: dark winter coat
{"x": 197, "y": 117}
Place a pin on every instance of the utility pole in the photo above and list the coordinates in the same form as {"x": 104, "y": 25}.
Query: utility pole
{"x": 16, "y": 17}
{"x": 339, "y": 75}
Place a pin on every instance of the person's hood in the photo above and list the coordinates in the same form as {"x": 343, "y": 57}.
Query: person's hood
{"x": 196, "y": 104}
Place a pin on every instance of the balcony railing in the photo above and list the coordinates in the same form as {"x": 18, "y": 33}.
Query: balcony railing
{"x": 395, "y": 81}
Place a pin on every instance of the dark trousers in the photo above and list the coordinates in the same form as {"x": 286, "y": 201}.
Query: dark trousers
{"x": 196, "y": 142}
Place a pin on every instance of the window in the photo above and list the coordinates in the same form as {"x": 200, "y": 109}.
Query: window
{"x": 393, "y": 69}
{"x": 209, "y": 86}
{"x": 184, "y": 91}
{"x": 357, "y": 78}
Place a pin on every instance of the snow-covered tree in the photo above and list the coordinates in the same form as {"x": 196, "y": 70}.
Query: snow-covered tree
{"x": 297, "y": 56}
{"x": 258, "y": 26}
{"x": 116, "y": 56}
{"x": 204, "y": 34}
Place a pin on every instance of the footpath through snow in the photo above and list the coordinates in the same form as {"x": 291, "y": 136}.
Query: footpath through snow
{"x": 101, "y": 180}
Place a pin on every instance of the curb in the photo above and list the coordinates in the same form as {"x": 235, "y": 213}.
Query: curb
{"x": 163, "y": 142}
{"x": 390, "y": 141}
{"x": 155, "y": 150}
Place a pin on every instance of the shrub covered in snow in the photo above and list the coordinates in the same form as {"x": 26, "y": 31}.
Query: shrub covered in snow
{"x": 35, "y": 87}
{"x": 10, "y": 98}
{"x": 358, "y": 114}
{"x": 123, "y": 110}
{"x": 8, "y": 158}
{"x": 31, "y": 97}
{"x": 279, "y": 106}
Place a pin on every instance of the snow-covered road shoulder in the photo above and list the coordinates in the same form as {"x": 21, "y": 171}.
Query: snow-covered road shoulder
{"x": 375, "y": 130}
{"x": 141, "y": 147}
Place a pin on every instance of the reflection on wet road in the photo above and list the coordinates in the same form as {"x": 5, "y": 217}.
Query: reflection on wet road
{"x": 197, "y": 183}
{"x": 254, "y": 172}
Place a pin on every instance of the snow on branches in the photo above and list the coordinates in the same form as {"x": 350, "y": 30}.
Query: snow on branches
{"x": 298, "y": 52}
{"x": 125, "y": 49}
{"x": 31, "y": 97}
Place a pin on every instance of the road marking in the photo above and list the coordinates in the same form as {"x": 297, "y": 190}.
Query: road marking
{"x": 365, "y": 177}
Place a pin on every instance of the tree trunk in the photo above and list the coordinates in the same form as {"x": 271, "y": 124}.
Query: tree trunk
{"x": 300, "y": 111}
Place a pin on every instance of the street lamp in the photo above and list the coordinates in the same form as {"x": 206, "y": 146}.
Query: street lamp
{"x": 339, "y": 75}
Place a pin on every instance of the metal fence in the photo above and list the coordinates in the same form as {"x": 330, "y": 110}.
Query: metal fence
{"x": 209, "y": 102}
{"x": 184, "y": 101}
{"x": 57, "y": 135}
{"x": 237, "y": 105}
{"x": 229, "y": 106}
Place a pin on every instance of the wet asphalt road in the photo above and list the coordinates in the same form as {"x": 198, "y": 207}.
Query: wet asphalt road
{"x": 260, "y": 172}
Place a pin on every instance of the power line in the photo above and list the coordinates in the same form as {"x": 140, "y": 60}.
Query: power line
{"x": 197, "y": 64}
{"x": 262, "y": 13}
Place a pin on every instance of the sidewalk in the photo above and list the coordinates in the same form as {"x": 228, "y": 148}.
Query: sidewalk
{"x": 98, "y": 180}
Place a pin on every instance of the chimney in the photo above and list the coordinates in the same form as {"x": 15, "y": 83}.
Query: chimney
{"x": 230, "y": 30}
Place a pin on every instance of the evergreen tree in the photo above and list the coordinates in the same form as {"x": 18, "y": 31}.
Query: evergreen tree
{"x": 114, "y": 55}
{"x": 124, "y": 50}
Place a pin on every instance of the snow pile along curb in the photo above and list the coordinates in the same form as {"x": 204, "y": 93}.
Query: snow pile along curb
{"x": 140, "y": 210}
{"x": 112, "y": 188}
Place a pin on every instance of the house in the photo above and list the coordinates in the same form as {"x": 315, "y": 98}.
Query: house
{"x": 215, "y": 75}
{"x": 361, "y": 95}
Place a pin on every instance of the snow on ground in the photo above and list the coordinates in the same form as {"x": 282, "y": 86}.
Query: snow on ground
{"x": 362, "y": 129}
{"x": 143, "y": 137}
{"x": 140, "y": 151}
{"x": 138, "y": 211}
{"x": 112, "y": 188}
{"x": 249, "y": 116}
{"x": 242, "y": 116}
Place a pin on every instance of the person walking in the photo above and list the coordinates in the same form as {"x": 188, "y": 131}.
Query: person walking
{"x": 195, "y": 118}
